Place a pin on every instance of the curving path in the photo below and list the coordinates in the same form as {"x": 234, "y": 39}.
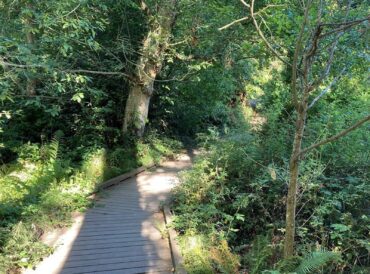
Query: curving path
{"x": 123, "y": 232}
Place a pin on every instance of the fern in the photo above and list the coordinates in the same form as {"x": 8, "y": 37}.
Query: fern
{"x": 4, "y": 169}
{"x": 54, "y": 147}
{"x": 259, "y": 254}
{"x": 315, "y": 260}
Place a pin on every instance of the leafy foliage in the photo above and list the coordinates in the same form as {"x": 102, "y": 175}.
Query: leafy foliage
{"x": 66, "y": 68}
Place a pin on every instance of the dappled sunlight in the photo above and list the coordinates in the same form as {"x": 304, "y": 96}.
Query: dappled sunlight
{"x": 95, "y": 165}
{"x": 124, "y": 231}
{"x": 25, "y": 173}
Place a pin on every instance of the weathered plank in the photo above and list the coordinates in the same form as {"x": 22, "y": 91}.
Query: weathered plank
{"x": 123, "y": 177}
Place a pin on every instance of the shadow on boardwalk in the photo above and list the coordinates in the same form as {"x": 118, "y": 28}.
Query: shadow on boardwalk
{"x": 123, "y": 232}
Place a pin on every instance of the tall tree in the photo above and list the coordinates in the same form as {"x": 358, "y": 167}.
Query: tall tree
{"x": 149, "y": 64}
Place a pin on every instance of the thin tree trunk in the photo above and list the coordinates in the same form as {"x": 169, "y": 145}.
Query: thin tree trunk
{"x": 292, "y": 189}
{"x": 149, "y": 66}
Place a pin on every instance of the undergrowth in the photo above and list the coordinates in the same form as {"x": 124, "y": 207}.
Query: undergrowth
{"x": 233, "y": 201}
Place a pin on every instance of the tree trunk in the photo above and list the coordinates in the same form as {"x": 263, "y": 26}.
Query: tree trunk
{"x": 293, "y": 183}
{"x": 136, "y": 111}
{"x": 149, "y": 66}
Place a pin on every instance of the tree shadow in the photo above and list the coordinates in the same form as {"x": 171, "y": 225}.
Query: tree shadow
{"x": 124, "y": 232}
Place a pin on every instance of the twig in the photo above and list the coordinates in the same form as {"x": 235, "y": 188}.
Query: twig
{"x": 233, "y": 23}
{"x": 333, "y": 48}
{"x": 326, "y": 89}
{"x": 247, "y": 17}
{"x": 260, "y": 33}
{"x": 245, "y": 4}
{"x": 344, "y": 26}
{"x": 335, "y": 137}
{"x": 72, "y": 11}
{"x": 4, "y": 63}
{"x": 95, "y": 72}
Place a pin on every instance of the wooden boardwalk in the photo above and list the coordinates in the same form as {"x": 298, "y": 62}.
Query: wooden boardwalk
{"x": 122, "y": 233}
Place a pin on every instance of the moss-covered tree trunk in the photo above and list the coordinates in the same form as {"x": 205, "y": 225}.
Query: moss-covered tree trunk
{"x": 149, "y": 66}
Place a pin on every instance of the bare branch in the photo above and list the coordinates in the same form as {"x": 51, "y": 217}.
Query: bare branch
{"x": 344, "y": 26}
{"x": 8, "y": 64}
{"x": 267, "y": 7}
{"x": 260, "y": 33}
{"x": 335, "y": 137}
{"x": 72, "y": 11}
{"x": 178, "y": 43}
{"x": 247, "y": 17}
{"x": 327, "y": 88}
{"x": 94, "y": 72}
{"x": 358, "y": 21}
{"x": 38, "y": 96}
{"x": 245, "y": 4}
{"x": 234, "y": 22}
{"x": 332, "y": 50}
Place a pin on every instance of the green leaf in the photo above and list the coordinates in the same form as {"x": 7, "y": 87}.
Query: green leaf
{"x": 340, "y": 227}
{"x": 78, "y": 97}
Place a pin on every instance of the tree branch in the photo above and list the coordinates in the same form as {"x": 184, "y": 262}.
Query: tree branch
{"x": 343, "y": 26}
{"x": 8, "y": 64}
{"x": 297, "y": 51}
{"x": 245, "y": 4}
{"x": 260, "y": 33}
{"x": 233, "y": 23}
{"x": 247, "y": 17}
{"x": 346, "y": 23}
{"x": 327, "y": 88}
{"x": 332, "y": 50}
{"x": 335, "y": 137}
{"x": 95, "y": 72}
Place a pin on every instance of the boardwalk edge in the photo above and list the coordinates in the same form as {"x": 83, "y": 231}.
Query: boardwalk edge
{"x": 119, "y": 179}
{"x": 177, "y": 259}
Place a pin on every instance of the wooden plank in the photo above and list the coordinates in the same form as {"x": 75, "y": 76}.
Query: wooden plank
{"x": 106, "y": 232}
{"x": 106, "y": 245}
{"x": 119, "y": 266}
{"x": 138, "y": 270}
{"x": 120, "y": 252}
{"x": 112, "y": 260}
{"x": 121, "y": 178}
{"x": 112, "y": 254}
{"x": 143, "y": 249}
{"x": 111, "y": 249}
{"x": 95, "y": 226}
{"x": 108, "y": 237}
